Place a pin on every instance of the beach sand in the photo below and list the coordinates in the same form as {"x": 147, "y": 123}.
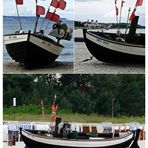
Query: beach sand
{"x": 12, "y": 67}
{"x": 97, "y": 67}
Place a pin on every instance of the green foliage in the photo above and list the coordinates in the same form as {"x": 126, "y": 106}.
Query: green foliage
{"x": 109, "y": 95}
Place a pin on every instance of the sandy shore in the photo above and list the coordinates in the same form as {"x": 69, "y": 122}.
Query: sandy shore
{"x": 97, "y": 67}
{"x": 11, "y": 67}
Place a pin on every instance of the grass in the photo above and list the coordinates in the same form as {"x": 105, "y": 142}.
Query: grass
{"x": 93, "y": 118}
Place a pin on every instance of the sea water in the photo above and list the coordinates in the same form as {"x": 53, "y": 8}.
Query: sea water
{"x": 11, "y": 25}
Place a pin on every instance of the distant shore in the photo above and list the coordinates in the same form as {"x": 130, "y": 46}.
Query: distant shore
{"x": 12, "y": 67}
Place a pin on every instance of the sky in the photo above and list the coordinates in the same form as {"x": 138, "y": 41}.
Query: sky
{"x": 104, "y": 10}
{"x": 81, "y": 10}
{"x": 28, "y": 8}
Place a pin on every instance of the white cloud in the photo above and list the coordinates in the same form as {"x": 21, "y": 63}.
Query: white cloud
{"x": 104, "y": 10}
{"x": 28, "y": 8}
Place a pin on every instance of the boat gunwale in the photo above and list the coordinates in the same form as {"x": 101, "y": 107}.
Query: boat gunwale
{"x": 47, "y": 39}
{"x": 114, "y": 42}
{"x": 83, "y": 140}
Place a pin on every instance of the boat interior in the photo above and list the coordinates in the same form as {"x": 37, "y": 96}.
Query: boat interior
{"x": 137, "y": 39}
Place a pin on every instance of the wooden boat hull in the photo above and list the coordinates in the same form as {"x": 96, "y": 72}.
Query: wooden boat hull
{"x": 32, "y": 140}
{"x": 113, "y": 52}
{"x": 32, "y": 50}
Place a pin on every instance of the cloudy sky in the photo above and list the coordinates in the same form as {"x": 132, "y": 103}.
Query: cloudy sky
{"x": 104, "y": 10}
{"x": 28, "y": 9}
{"x": 101, "y": 10}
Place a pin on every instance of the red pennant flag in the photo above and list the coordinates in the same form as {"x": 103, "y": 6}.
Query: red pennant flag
{"x": 62, "y": 4}
{"x": 54, "y": 3}
{"x": 56, "y": 107}
{"x": 19, "y": 2}
{"x": 117, "y": 12}
{"x": 122, "y": 3}
{"x": 40, "y": 10}
{"x": 139, "y": 3}
{"x": 52, "y": 16}
{"x": 53, "y": 108}
{"x": 132, "y": 15}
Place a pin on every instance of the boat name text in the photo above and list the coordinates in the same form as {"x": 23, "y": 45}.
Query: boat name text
{"x": 102, "y": 41}
{"x": 46, "y": 43}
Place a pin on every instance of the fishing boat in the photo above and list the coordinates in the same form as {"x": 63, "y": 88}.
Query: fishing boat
{"x": 64, "y": 137}
{"x": 34, "y": 48}
{"x": 118, "y": 47}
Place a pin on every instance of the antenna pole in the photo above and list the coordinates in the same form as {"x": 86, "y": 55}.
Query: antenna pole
{"x": 18, "y": 17}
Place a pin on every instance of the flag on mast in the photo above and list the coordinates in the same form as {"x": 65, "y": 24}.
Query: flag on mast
{"x": 52, "y": 16}
{"x": 58, "y": 4}
{"x": 132, "y": 15}
{"x": 19, "y": 2}
{"x": 62, "y": 4}
{"x": 117, "y": 11}
{"x": 139, "y": 3}
{"x": 54, "y": 108}
{"x": 122, "y": 3}
{"x": 54, "y": 3}
{"x": 40, "y": 10}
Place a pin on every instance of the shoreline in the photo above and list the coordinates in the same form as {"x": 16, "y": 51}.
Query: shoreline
{"x": 12, "y": 67}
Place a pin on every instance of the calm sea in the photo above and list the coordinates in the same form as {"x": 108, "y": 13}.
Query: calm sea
{"x": 11, "y": 25}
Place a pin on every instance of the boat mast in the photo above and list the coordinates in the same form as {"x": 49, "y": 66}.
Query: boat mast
{"x": 116, "y": 8}
{"x": 129, "y": 10}
{"x": 44, "y": 18}
{"x": 21, "y": 28}
{"x": 122, "y": 2}
{"x": 37, "y": 19}
{"x": 49, "y": 21}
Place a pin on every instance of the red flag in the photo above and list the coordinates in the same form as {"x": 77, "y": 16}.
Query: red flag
{"x": 56, "y": 107}
{"x": 54, "y": 3}
{"x": 19, "y": 2}
{"x": 117, "y": 12}
{"x": 52, "y": 16}
{"x": 139, "y": 3}
{"x": 122, "y": 3}
{"x": 40, "y": 10}
{"x": 132, "y": 15}
{"x": 62, "y": 4}
{"x": 58, "y": 4}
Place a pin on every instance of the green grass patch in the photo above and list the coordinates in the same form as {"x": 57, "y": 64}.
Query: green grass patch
{"x": 34, "y": 113}
{"x": 93, "y": 118}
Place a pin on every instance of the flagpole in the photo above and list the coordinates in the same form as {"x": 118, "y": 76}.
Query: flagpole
{"x": 49, "y": 22}
{"x": 120, "y": 16}
{"x": 44, "y": 18}
{"x": 127, "y": 20}
{"x": 116, "y": 11}
{"x": 37, "y": 19}
{"x": 18, "y": 17}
